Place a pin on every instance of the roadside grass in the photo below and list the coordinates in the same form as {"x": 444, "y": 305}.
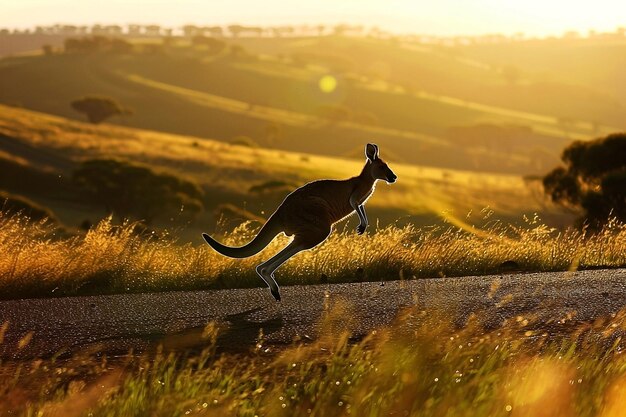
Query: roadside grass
{"x": 37, "y": 261}
{"x": 419, "y": 366}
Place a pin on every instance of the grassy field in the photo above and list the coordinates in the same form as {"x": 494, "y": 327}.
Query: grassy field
{"x": 420, "y": 366}
{"x": 115, "y": 259}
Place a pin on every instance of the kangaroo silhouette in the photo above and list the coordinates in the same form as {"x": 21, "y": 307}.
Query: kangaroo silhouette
{"x": 308, "y": 214}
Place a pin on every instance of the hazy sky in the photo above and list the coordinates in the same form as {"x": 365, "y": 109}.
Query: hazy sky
{"x": 440, "y": 17}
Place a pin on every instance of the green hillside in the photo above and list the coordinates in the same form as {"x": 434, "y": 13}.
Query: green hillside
{"x": 420, "y": 103}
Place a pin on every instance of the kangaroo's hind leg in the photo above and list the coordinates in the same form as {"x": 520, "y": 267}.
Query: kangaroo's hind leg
{"x": 301, "y": 241}
{"x": 267, "y": 268}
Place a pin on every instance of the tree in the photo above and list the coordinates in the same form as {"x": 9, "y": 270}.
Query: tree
{"x": 213, "y": 30}
{"x": 129, "y": 190}
{"x": 98, "y": 109}
{"x": 593, "y": 179}
{"x": 235, "y": 30}
{"x": 97, "y": 44}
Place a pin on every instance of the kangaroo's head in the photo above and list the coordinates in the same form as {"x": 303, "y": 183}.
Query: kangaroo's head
{"x": 377, "y": 167}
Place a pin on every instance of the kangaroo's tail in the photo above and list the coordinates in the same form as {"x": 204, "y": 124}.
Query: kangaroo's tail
{"x": 267, "y": 233}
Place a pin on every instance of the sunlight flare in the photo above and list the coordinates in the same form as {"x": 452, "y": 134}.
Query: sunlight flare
{"x": 328, "y": 84}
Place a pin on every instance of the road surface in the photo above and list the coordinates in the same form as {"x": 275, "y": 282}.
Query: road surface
{"x": 116, "y": 323}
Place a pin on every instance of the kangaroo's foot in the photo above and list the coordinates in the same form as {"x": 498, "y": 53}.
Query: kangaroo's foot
{"x": 276, "y": 293}
{"x": 269, "y": 280}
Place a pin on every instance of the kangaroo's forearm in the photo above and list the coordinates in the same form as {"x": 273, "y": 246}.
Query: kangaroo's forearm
{"x": 359, "y": 210}
{"x": 362, "y": 215}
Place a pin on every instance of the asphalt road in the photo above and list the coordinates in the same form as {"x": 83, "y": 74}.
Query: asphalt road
{"x": 117, "y": 323}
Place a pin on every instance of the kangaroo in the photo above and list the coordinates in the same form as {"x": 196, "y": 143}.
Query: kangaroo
{"x": 308, "y": 214}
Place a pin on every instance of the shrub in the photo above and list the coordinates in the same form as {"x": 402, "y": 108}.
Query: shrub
{"x": 272, "y": 186}
{"x": 242, "y": 140}
{"x": 98, "y": 109}
{"x": 335, "y": 113}
{"x": 134, "y": 191}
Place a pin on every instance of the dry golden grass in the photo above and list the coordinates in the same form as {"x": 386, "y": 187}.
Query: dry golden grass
{"x": 419, "y": 366}
{"x": 110, "y": 258}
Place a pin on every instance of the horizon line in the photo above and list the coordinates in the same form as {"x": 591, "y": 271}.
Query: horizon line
{"x": 366, "y": 27}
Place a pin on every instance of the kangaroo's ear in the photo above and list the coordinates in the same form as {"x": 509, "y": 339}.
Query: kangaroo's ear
{"x": 371, "y": 151}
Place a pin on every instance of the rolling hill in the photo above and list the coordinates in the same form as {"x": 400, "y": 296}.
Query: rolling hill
{"x": 39, "y": 152}
{"x": 417, "y": 102}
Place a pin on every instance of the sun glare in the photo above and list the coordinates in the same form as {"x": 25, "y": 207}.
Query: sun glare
{"x": 328, "y": 84}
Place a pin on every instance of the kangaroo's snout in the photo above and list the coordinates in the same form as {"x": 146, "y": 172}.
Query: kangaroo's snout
{"x": 391, "y": 176}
